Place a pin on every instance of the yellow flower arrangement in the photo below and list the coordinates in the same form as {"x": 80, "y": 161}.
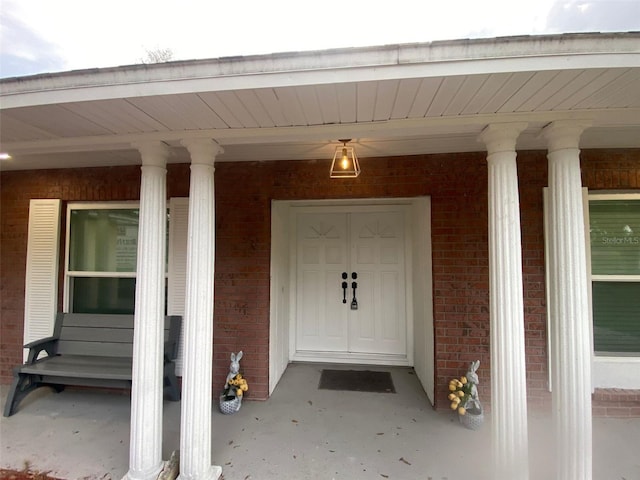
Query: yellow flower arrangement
{"x": 460, "y": 393}
{"x": 236, "y": 386}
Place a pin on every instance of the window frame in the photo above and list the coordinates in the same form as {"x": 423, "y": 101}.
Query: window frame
{"x": 610, "y": 369}
{"x": 69, "y": 274}
{"x": 607, "y": 278}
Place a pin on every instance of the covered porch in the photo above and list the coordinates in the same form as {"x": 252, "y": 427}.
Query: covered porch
{"x": 266, "y": 124}
{"x": 301, "y": 432}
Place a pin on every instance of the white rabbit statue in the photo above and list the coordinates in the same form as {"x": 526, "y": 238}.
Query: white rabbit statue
{"x": 472, "y": 378}
{"x": 234, "y": 368}
{"x": 230, "y": 401}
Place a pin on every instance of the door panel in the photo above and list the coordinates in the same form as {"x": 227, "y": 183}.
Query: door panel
{"x": 322, "y": 247}
{"x": 379, "y": 324}
{"x": 372, "y": 245}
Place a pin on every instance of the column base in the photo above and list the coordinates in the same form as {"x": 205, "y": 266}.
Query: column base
{"x": 149, "y": 475}
{"x": 212, "y": 474}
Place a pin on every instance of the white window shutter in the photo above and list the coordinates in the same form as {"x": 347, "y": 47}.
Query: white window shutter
{"x": 41, "y": 279}
{"x": 177, "y": 282}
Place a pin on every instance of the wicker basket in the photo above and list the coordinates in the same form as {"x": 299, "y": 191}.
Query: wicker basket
{"x": 229, "y": 405}
{"x": 473, "y": 418}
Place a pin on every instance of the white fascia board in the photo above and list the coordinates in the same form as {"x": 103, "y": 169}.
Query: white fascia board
{"x": 462, "y": 57}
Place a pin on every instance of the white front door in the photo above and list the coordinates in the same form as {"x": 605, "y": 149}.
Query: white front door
{"x": 367, "y": 246}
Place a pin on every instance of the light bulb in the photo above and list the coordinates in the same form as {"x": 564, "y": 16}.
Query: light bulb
{"x": 345, "y": 159}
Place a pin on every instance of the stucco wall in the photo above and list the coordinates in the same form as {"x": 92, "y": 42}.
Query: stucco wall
{"x": 456, "y": 183}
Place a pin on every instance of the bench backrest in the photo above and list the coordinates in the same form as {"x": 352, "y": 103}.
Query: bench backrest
{"x": 107, "y": 335}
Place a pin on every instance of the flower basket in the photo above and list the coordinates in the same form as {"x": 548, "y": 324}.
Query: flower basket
{"x": 464, "y": 398}
{"x": 234, "y": 387}
{"x": 230, "y": 404}
{"x": 473, "y": 418}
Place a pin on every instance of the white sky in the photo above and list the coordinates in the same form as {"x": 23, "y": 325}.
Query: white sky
{"x": 55, "y": 35}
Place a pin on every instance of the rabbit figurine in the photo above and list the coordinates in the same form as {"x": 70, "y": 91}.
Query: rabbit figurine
{"x": 230, "y": 400}
{"x": 472, "y": 378}
{"x": 234, "y": 368}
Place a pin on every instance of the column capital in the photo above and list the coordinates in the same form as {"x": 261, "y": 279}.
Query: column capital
{"x": 501, "y": 137}
{"x": 563, "y": 134}
{"x": 153, "y": 153}
{"x": 202, "y": 150}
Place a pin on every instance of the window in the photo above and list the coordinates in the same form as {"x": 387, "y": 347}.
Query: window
{"x": 614, "y": 222}
{"x": 101, "y": 258}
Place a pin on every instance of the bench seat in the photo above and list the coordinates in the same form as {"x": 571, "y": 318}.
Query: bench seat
{"x": 82, "y": 366}
{"x": 93, "y": 350}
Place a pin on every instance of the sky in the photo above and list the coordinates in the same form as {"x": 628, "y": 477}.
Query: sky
{"x": 44, "y": 36}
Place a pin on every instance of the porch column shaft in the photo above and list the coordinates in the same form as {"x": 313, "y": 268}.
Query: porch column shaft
{"x": 508, "y": 369}
{"x": 145, "y": 450}
{"x": 195, "y": 433}
{"x": 569, "y": 308}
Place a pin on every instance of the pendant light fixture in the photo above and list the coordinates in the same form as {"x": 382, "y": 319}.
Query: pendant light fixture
{"x": 345, "y": 161}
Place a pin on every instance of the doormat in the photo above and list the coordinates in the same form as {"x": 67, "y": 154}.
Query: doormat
{"x": 357, "y": 381}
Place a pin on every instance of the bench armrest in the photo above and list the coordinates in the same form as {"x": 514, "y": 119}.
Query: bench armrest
{"x": 48, "y": 344}
{"x": 170, "y": 350}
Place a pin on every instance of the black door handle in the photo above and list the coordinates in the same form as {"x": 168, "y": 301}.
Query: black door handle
{"x": 344, "y": 287}
{"x": 354, "y": 302}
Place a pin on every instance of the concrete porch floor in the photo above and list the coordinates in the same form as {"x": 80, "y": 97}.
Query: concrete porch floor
{"x": 299, "y": 433}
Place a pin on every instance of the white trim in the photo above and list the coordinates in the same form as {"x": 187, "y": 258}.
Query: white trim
{"x": 89, "y": 273}
{"x": 68, "y": 274}
{"x": 587, "y": 249}
{"x": 616, "y": 278}
{"x": 177, "y": 269}
{"x": 614, "y": 196}
{"x": 283, "y": 302}
{"x": 608, "y": 371}
{"x": 377, "y": 205}
{"x": 279, "y": 352}
{"x": 616, "y": 372}
{"x": 351, "y": 358}
{"x": 443, "y": 58}
{"x": 547, "y": 297}
{"x": 422, "y": 307}
{"x": 103, "y": 205}
{"x": 619, "y": 370}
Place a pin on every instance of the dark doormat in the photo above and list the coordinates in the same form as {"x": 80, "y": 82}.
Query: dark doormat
{"x": 357, "y": 381}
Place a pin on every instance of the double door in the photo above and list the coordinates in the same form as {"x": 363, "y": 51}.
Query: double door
{"x": 350, "y": 276}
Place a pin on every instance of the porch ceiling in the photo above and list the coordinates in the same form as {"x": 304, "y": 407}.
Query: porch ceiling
{"x": 392, "y": 100}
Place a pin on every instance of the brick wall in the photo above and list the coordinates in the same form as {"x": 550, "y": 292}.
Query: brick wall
{"x": 613, "y": 402}
{"x": 456, "y": 183}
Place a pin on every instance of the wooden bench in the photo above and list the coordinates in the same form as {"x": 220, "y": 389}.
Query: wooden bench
{"x": 94, "y": 350}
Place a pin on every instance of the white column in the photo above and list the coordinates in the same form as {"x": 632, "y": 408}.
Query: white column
{"x": 195, "y": 433}
{"x": 508, "y": 369}
{"x": 569, "y": 305}
{"x": 145, "y": 450}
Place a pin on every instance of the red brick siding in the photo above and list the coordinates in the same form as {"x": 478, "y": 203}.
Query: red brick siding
{"x": 457, "y": 186}
{"x": 613, "y": 402}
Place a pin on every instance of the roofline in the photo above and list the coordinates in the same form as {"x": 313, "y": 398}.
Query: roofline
{"x": 449, "y": 57}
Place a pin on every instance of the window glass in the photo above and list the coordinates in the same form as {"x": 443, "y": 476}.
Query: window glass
{"x": 615, "y": 266}
{"x": 103, "y": 240}
{"x": 616, "y": 316}
{"x": 102, "y": 252}
{"x": 103, "y": 295}
{"x": 615, "y": 237}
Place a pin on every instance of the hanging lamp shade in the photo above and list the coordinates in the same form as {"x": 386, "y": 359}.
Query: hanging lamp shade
{"x": 345, "y": 161}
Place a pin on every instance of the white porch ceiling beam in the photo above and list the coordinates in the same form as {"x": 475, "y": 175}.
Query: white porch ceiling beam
{"x": 433, "y": 126}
